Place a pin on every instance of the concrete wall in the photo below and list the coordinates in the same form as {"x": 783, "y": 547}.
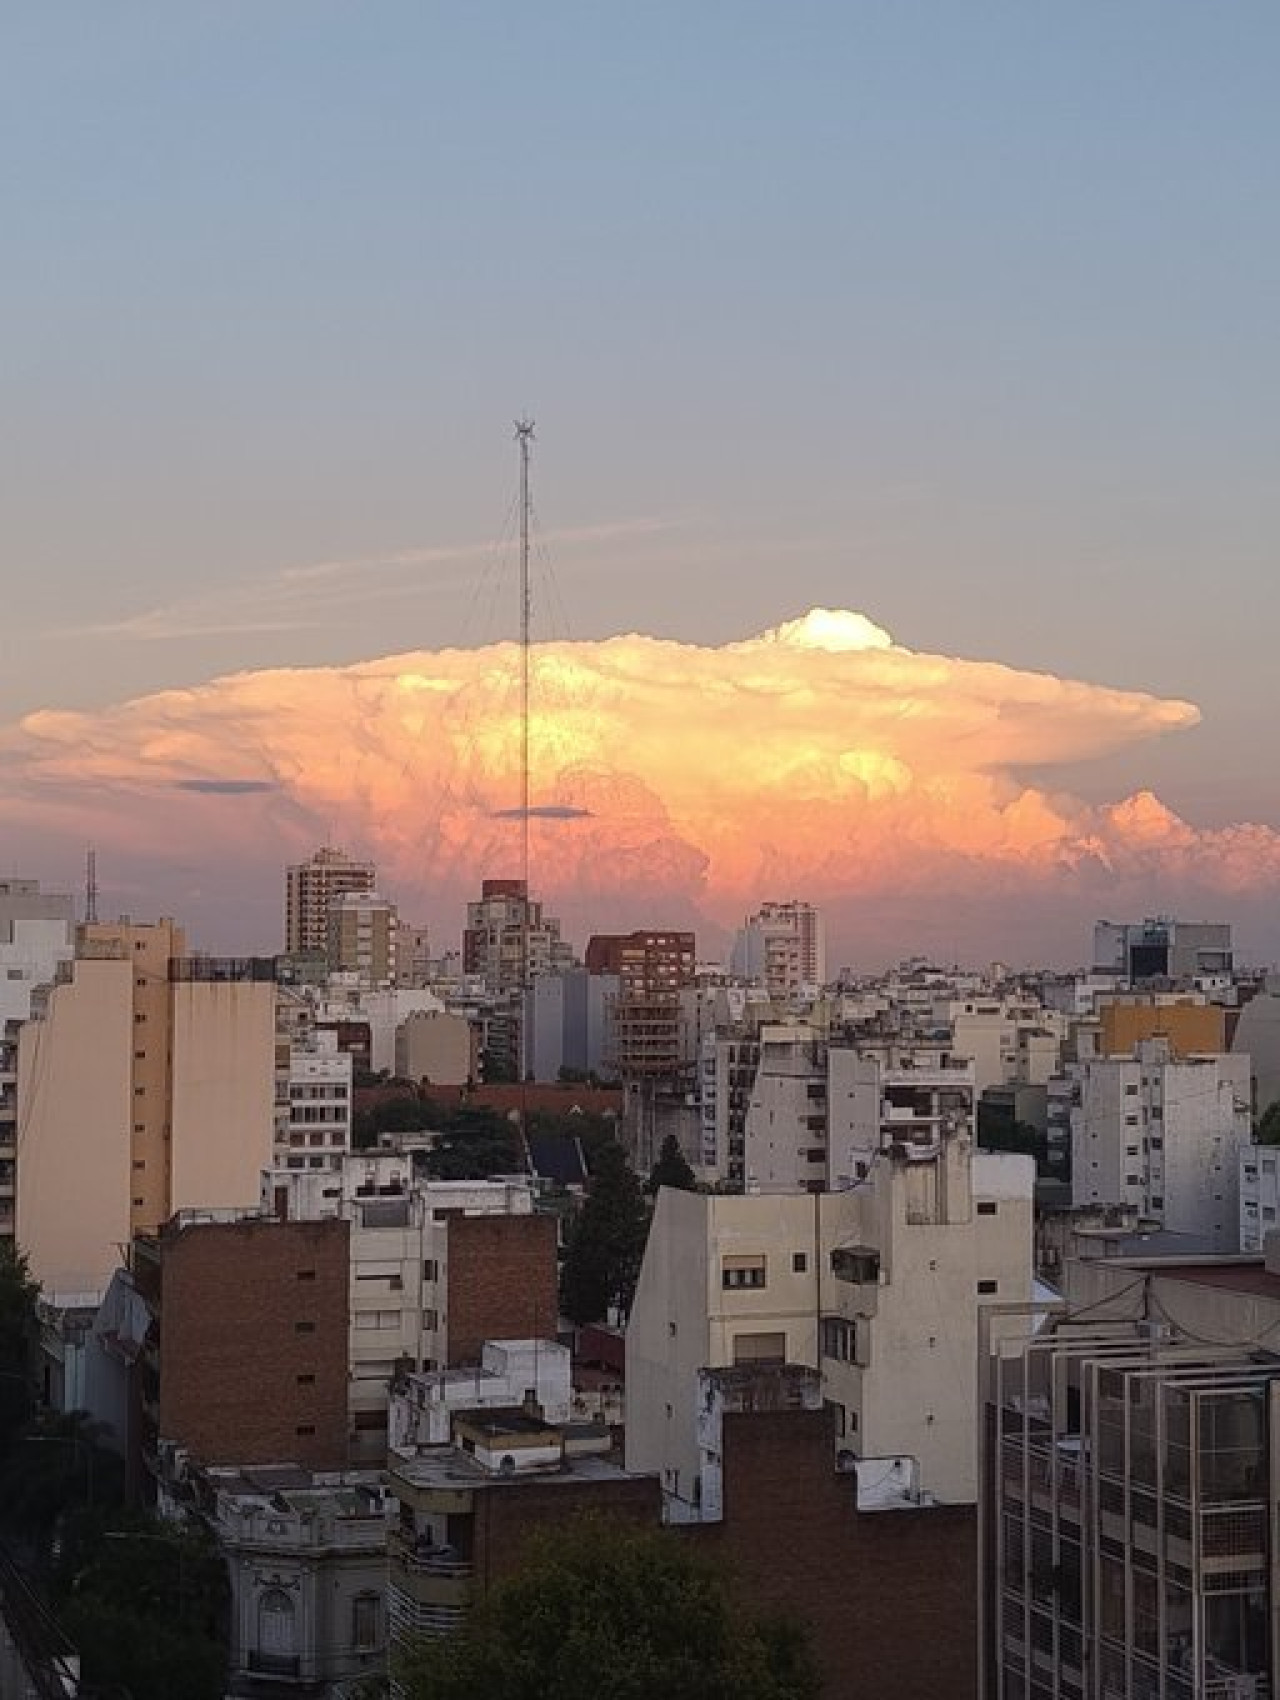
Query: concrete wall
{"x": 436, "y": 1046}
{"x": 75, "y": 1107}
{"x": 223, "y": 1107}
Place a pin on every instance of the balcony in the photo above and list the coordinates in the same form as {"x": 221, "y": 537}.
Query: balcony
{"x": 430, "y": 1561}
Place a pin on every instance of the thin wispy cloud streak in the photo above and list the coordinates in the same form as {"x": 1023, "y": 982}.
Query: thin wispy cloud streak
{"x": 315, "y": 595}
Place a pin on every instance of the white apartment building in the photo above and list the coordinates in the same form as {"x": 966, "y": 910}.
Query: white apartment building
{"x": 1164, "y": 1135}
{"x": 887, "y": 1096}
{"x": 511, "y": 1373}
{"x": 785, "y": 1126}
{"x": 880, "y": 1287}
{"x": 313, "y": 1111}
{"x": 311, "y": 887}
{"x": 782, "y": 947}
{"x": 1259, "y": 1195}
{"x": 37, "y": 932}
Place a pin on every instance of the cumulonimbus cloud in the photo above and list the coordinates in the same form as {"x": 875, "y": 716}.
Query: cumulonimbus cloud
{"x": 668, "y": 781}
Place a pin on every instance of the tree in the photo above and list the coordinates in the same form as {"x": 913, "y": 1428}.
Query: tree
{"x": 144, "y": 1602}
{"x": 602, "y": 1613}
{"x": 18, "y": 1334}
{"x": 1267, "y": 1131}
{"x": 606, "y": 1243}
{"x": 671, "y": 1169}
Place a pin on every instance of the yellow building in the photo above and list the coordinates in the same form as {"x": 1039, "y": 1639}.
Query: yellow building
{"x": 1192, "y": 1029}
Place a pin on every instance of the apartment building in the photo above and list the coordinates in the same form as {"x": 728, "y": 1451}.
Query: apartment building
{"x": 314, "y": 1105}
{"x": 438, "y": 1045}
{"x": 247, "y": 1361}
{"x": 37, "y": 932}
{"x": 436, "y": 1269}
{"x": 880, "y": 1287}
{"x": 1164, "y": 1134}
{"x": 311, "y": 889}
{"x": 1162, "y": 948}
{"x": 1130, "y": 1481}
{"x": 882, "y": 1095}
{"x": 508, "y": 939}
{"x": 145, "y": 1086}
{"x": 363, "y": 936}
{"x": 782, "y": 947}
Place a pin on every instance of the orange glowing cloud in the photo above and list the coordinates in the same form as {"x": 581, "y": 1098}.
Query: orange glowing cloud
{"x": 670, "y": 781}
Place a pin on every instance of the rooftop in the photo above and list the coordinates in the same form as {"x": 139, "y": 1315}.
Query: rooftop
{"x": 449, "y": 1467}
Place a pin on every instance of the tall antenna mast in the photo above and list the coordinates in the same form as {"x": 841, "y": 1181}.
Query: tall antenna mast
{"x": 91, "y": 887}
{"x": 524, "y": 436}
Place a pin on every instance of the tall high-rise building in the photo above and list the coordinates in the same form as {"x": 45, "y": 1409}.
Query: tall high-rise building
{"x": 363, "y": 935}
{"x": 508, "y": 939}
{"x": 783, "y": 946}
{"x": 645, "y": 1017}
{"x": 311, "y": 889}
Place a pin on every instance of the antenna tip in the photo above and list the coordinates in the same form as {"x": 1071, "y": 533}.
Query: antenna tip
{"x": 524, "y": 428}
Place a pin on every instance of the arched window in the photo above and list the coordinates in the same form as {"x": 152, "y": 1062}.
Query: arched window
{"x": 276, "y": 1624}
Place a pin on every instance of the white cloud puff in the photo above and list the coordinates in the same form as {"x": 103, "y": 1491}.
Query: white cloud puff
{"x": 819, "y": 759}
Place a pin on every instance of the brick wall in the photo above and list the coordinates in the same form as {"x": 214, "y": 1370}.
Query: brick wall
{"x": 234, "y": 1360}
{"x": 502, "y": 1282}
{"x": 509, "y": 1515}
{"x": 890, "y": 1596}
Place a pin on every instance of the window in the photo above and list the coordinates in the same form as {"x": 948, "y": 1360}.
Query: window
{"x": 839, "y": 1338}
{"x": 988, "y": 1286}
{"x": 306, "y": 1274}
{"x": 305, "y": 1428}
{"x": 304, "y": 1327}
{"x": 139, "y": 1162}
{"x": 835, "y": 1414}
{"x": 760, "y": 1348}
{"x": 986, "y": 1207}
{"x": 305, "y": 1380}
{"x": 430, "y": 1320}
{"x": 739, "y": 1272}
{"x": 799, "y": 1262}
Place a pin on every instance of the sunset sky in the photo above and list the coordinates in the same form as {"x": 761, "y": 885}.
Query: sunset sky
{"x": 961, "y": 317}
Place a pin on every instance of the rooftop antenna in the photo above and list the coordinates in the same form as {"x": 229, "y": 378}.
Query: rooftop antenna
{"x": 91, "y": 887}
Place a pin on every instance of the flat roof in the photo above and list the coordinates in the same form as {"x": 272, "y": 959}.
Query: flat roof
{"x": 450, "y": 1467}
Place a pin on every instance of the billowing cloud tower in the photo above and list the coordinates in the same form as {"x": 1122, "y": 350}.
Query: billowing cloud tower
{"x": 669, "y": 781}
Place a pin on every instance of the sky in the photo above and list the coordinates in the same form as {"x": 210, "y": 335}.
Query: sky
{"x": 957, "y": 315}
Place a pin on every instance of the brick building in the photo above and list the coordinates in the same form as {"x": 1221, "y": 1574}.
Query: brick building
{"x": 247, "y": 1360}
{"x": 501, "y": 1282}
{"x": 890, "y": 1596}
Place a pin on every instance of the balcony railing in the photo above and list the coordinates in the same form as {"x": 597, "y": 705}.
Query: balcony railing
{"x": 431, "y": 1561}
